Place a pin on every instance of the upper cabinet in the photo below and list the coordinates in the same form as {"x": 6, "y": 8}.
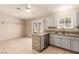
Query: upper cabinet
{"x": 50, "y": 22}
{"x": 77, "y": 19}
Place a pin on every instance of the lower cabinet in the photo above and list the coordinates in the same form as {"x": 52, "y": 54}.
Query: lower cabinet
{"x": 57, "y": 40}
{"x": 75, "y": 44}
{"x": 46, "y": 41}
{"x": 51, "y": 39}
{"x": 65, "y": 42}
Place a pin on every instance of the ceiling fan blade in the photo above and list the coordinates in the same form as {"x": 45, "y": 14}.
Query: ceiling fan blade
{"x": 28, "y": 8}
{"x": 18, "y": 8}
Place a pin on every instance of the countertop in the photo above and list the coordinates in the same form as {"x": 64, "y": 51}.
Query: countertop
{"x": 64, "y": 31}
{"x": 40, "y": 34}
{"x": 72, "y": 33}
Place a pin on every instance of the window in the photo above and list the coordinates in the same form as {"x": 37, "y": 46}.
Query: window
{"x": 37, "y": 27}
{"x": 65, "y": 23}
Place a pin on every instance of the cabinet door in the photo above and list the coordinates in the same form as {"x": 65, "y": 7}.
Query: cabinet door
{"x": 50, "y": 22}
{"x": 42, "y": 42}
{"x": 51, "y": 39}
{"x": 57, "y": 40}
{"x": 74, "y": 44}
{"x": 46, "y": 41}
{"x": 65, "y": 43}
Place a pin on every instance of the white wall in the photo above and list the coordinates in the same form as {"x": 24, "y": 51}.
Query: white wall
{"x": 11, "y": 27}
{"x": 28, "y": 28}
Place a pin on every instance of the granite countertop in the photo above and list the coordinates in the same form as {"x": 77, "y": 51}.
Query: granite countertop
{"x": 73, "y": 33}
{"x": 40, "y": 34}
{"x": 59, "y": 30}
{"x": 70, "y": 35}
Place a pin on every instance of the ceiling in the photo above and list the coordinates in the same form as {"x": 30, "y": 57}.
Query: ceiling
{"x": 37, "y": 10}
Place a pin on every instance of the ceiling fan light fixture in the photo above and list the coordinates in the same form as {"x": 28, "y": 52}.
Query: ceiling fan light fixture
{"x": 29, "y": 6}
{"x": 28, "y": 10}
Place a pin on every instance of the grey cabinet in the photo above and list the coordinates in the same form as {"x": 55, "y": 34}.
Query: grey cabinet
{"x": 77, "y": 19}
{"x": 65, "y": 42}
{"x": 51, "y": 40}
{"x": 55, "y": 40}
{"x": 46, "y": 40}
{"x": 61, "y": 41}
{"x": 50, "y": 22}
{"x": 75, "y": 44}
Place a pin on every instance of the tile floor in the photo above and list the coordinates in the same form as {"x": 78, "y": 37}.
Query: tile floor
{"x": 24, "y": 46}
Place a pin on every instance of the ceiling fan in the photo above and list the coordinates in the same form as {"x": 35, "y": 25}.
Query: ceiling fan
{"x": 27, "y": 8}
